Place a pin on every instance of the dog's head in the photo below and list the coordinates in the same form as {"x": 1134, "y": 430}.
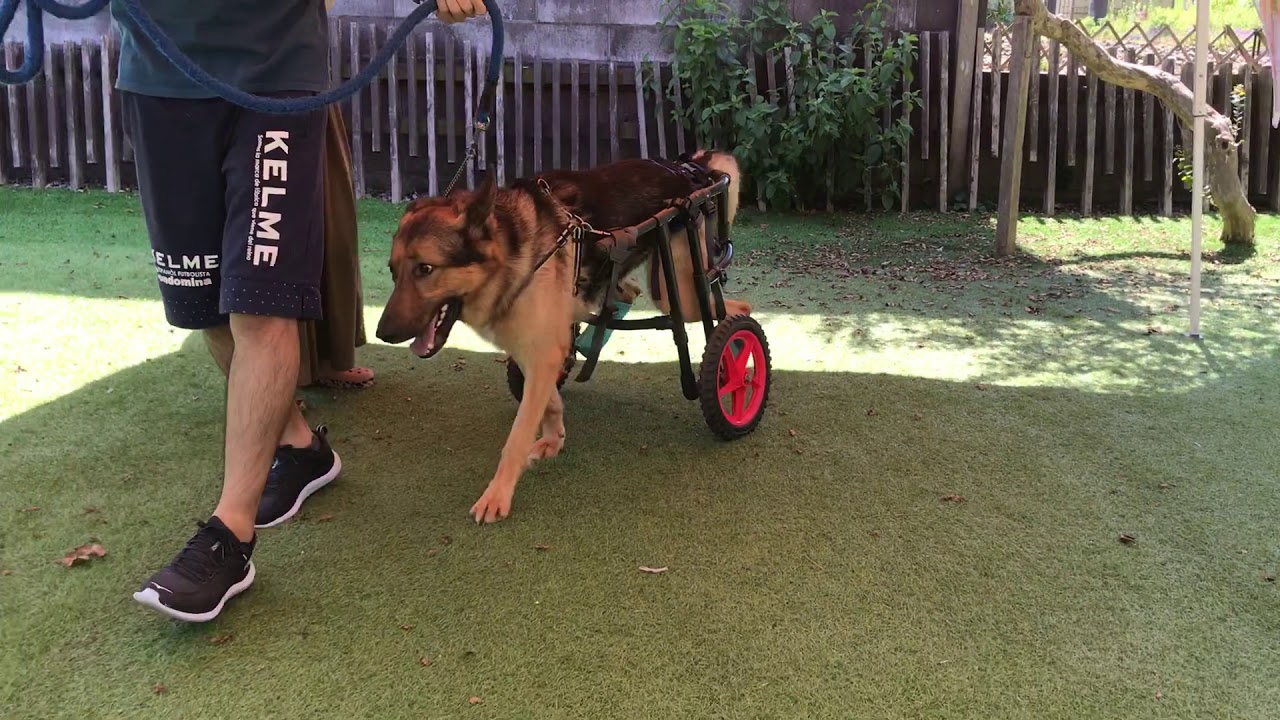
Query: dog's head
{"x": 442, "y": 253}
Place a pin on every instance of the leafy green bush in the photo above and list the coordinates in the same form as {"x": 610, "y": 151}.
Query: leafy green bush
{"x": 821, "y": 135}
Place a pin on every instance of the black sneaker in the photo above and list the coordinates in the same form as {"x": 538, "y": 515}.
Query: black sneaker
{"x": 295, "y": 474}
{"x": 213, "y": 568}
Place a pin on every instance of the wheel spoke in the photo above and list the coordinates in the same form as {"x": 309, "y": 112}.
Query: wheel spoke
{"x": 739, "y": 401}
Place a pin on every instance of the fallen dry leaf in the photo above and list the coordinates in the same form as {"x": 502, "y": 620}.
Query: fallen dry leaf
{"x": 406, "y": 628}
{"x": 917, "y": 416}
{"x": 33, "y": 508}
{"x": 83, "y": 554}
{"x": 1127, "y": 539}
{"x": 954, "y": 498}
{"x": 325, "y": 517}
{"x": 6, "y": 572}
{"x": 432, "y": 552}
{"x": 1159, "y": 695}
{"x": 543, "y": 548}
{"x": 797, "y": 450}
{"x": 459, "y": 365}
{"x": 982, "y": 386}
{"x": 222, "y": 639}
{"x": 1165, "y": 485}
{"x": 91, "y": 510}
{"x": 424, "y": 661}
{"x": 445, "y": 540}
{"x": 871, "y": 412}
{"x": 791, "y": 432}
{"x": 1268, "y": 578}
{"x": 474, "y": 700}
{"x": 653, "y": 570}
{"x": 159, "y": 689}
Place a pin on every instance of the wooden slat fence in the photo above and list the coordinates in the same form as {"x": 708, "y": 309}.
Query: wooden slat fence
{"x": 410, "y": 129}
{"x": 1106, "y": 149}
{"x": 1090, "y": 146}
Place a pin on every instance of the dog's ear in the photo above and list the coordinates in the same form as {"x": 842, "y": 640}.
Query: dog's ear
{"x": 481, "y": 205}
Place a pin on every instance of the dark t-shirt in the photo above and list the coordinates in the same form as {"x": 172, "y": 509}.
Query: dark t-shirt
{"x": 258, "y": 46}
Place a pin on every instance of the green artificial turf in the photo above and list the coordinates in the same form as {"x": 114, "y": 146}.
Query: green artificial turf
{"x": 926, "y": 525}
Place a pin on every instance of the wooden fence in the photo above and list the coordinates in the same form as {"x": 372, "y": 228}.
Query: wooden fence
{"x": 1090, "y": 147}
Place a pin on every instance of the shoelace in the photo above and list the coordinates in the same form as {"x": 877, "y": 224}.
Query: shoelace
{"x": 199, "y": 559}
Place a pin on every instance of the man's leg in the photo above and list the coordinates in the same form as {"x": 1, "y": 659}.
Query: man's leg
{"x": 221, "y": 346}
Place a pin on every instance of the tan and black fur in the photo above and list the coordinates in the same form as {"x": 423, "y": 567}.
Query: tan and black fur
{"x": 468, "y": 256}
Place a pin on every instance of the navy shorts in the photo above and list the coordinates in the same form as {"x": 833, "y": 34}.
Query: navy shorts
{"x": 234, "y": 206}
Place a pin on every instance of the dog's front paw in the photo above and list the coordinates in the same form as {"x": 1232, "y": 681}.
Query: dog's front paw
{"x": 493, "y": 505}
{"x": 547, "y": 447}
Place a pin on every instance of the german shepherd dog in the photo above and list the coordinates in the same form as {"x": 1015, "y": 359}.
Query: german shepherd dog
{"x": 474, "y": 256}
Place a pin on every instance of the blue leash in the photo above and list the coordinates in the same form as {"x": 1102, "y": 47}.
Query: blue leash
{"x": 33, "y": 57}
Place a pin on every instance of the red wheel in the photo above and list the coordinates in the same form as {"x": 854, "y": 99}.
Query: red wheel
{"x": 734, "y": 378}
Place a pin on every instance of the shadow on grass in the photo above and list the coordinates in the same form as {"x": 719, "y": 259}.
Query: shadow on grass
{"x": 807, "y": 542}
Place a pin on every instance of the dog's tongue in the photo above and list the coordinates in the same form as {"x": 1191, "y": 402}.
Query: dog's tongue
{"x": 421, "y": 345}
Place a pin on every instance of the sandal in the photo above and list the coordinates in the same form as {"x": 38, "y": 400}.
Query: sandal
{"x": 357, "y": 378}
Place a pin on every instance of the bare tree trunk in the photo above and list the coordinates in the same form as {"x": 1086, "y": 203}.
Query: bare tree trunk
{"x": 1221, "y": 163}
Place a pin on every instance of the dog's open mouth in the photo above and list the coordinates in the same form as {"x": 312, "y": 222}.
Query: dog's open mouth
{"x": 430, "y": 342}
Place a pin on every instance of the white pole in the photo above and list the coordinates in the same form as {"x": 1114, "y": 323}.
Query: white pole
{"x": 1197, "y": 160}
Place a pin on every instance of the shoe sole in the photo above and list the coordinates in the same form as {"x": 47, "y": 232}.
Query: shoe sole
{"x": 151, "y": 599}
{"x": 307, "y": 491}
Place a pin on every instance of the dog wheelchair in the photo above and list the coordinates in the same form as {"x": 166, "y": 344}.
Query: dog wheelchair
{"x": 734, "y": 376}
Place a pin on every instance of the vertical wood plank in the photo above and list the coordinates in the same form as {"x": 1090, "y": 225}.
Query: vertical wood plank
{"x": 641, "y": 126}
{"x": 660, "y": 110}
{"x": 557, "y": 127}
{"x": 575, "y": 113}
{"x": 375, "y": 94}
{"x": 770, "y": 71}
{"x": 481, "y": 68}
{"x": 1148, "y": 127}
{"x": 110, "y": 147}
{"x": 593, "y": 117}
{"x": 450, "y": 106}
{"x": 1020, "y": 66}
{"x": 1051, "y": 160}
{"x": 54, "y": 120}
{"x": 614, "y": 149}
{"x": 926, "y": 99}
{"x": 944, "y": 118}
{"x": 1246, "y": 125}
{"x": 975, "y": 126}
{"x": 675, "y": 73}
{"x": 357, "y": 116}
{"x": 335, "y": 51}
{"x": 997, "y": 50}
{"x": 468, "y": 108}
{"x": 790, "y": 71}
{"x": 756, "y": 99}
{"x": 1073, "y": 107}
{"x": 393, "y": 128}
{"x": 969, "y": 40}
{"x": 431, "y": 129}
{"x": 1166, "y": 202}
{"x": 518, "y": 111}
{"x": 537, "y": 114}
{"x": 411, "y": 92}
{"x": 1033, "y": 104}
{"x": 500, "y": 123}
{"x": 90, "y": 104}
{"x": 15, "y": 108}
{"x": 906, "y": 151}
{"x": 75, "y": 114}
{"x": 1263, "y": 120}
{"x": 1126, "y": 187}
{"x": 1090, "y": 144}
{"x": 37, "y": 140}
{"x": 1109, "y": 125}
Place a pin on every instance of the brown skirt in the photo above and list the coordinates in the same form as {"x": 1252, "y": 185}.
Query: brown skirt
{"x": 330, "y": 344}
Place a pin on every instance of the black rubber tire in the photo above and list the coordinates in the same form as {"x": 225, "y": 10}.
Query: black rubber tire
{"x": 708, "y": 374}
{"x": 515, "y": 378}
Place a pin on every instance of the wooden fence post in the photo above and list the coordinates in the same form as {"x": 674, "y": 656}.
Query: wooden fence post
{"x": 968, "y": 31}
{"x": 1014, "y": 133}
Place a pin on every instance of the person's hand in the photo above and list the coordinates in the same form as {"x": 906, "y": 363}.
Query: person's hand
{"x": 452, "y": 11}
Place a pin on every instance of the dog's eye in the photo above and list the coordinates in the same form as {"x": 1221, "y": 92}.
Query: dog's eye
{"x": 424, "y": 269}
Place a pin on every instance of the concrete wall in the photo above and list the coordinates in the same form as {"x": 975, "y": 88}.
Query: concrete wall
{"x": 563, "y": 29}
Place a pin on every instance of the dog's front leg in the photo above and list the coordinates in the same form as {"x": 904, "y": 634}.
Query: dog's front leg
{"x": 540, "y": 383}
{"x": 552, "y": 440}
